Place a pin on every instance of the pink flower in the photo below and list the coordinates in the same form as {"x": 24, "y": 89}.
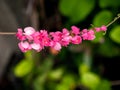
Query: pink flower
{"x": 98, "y": 29}
{"x": 24, "y": 46}
{"x": 46, "y": 41}
{"x": 76, "y": 40}
{"x": 57, "y": 36}
{"x": 37, "y": 40}
{"x": 65, "y": 37}
{"x": 65, "y": 40}
{"x": 36, "y": 47}
{"x": 103, "y": 28}
{"x": 52, "y": 43}
{"x": 84, "y": 31}
{"x": 43, "y": 33}
{"x": 36, "y": 37}
{"x": 75, "y": 30}
{"x": 44, "y": 38}
{"x": 28, "y": 32}
{"x": 65, "y": 32}
{"x": 57, "y": 46}
{"x": 84, "y": 34}
{"x": 19, "y": 35}
{"x": 91, "y": 32}
{"x": 89, "y": 35}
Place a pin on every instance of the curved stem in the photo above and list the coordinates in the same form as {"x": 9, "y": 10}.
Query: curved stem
{"x": 115, "y": 19}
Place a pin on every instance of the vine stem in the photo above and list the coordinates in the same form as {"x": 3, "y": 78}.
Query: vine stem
{"x": 7, "y": 33}
{"x": 115, "y": 19}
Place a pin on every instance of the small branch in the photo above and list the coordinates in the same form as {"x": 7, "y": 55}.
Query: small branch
{"x": 7, "y": 33}
{"x": 115, "y": 19}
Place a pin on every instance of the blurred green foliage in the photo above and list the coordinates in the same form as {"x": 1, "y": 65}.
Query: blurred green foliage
{"x": 115, "y": 34}
{"x": 107, "y": 3}
{"x": 72, "y": 67}
{"x": 76, "y": 10}
{"x": 25, "y": 66}
{"x": 102, "y": 18}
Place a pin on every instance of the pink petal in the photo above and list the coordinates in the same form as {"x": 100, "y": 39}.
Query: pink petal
{"x": 84, "y": 31}
{"x": 29, "y": 31}
{"x": 92, "y": 37}
{"x": 75, "y": 30}
{"x": 57, "y": 46}
{"x": 65, "y": 31}
{"x": 103, "y": 28}
{"x": 97, "y": 29}
{"x": 24, "y": 46}
{"x": 36, "y": 47}
{"x": 85, "y": 36}
{"x": 20, "y": 35}
{"x": 76, "y": 40}
{"x": 90, "y": 32}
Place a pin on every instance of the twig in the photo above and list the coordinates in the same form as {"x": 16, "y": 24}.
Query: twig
{"x": 7, "y": 33}
{"x": 115, "y": 19}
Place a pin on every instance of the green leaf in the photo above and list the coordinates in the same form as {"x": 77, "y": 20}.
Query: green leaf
{"x": 23, "y": 68}
{"x": 38, "y": 83}
{"x": 56, "y": 74}
{"x": 76, "y": 10}
{"x": 115, "y": 34}
{"x": 62, "y": 87}
{"x": 104, "y": 85}
{"x": 28, "y": 55}
{"x": 69, "y": 80}
{"x": 43, "y": 72}
{"x": 83, "y": 68}
{"x": 109, "y": 3}
{"x": 106, "y": 48}
{"x": 45, "y": 66}
{"x": 90, "y": 80}
{"x": 67, "y": 83}
{"x": 98, "y": 37}
{"x": 66, "y": 6}
{"x": 102, "y": 18}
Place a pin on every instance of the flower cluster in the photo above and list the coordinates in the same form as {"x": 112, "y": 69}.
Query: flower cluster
{"x": 38, "y": 40}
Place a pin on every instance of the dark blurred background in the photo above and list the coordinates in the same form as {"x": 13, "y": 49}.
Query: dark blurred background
{"x": 92, "y": 65}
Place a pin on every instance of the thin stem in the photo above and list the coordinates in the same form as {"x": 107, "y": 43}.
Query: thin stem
{"x": 7, "y": 33}
{"x": 115, "y": 19}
